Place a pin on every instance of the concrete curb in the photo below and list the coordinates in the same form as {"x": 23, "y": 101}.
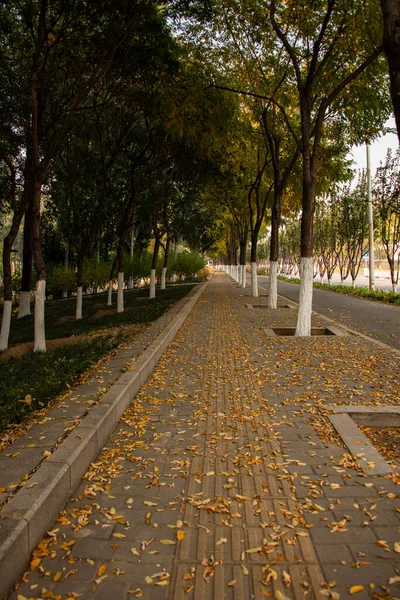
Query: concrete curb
{"x": 34, "y": 507}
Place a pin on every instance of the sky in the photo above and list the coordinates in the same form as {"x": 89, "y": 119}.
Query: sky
{"x": 377, "y": 150}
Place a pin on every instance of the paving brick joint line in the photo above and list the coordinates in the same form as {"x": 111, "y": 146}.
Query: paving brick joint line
{"x": 215, "y": 485}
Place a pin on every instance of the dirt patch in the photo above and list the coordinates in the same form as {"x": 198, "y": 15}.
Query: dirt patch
{"x": 107, "y": 311}
{"x": 20, "y": 349}
{"x": 66, "y": 319}
{"x": 386, "y": 440}
{"x": 102, "y": 313}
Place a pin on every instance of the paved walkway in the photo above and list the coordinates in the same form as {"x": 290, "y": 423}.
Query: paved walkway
{"x": 224, "y": 478}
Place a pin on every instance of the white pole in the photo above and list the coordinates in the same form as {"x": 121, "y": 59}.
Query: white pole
{"x": 371, "y": 224}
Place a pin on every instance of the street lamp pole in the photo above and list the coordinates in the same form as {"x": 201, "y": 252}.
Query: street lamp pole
{"x": 371, "y": 224}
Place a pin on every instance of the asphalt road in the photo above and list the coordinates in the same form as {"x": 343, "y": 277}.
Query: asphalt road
{"x": 376, "y": 319}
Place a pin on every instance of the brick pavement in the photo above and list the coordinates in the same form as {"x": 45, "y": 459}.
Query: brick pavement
{"x": 224, "y": 479}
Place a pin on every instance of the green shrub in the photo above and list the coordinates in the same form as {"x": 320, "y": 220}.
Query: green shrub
{"x": 188, "y": 264}
{"x": 139, "y": 265}
{"x": 360, "y": 292}
{"x": 96, "y": 273}
{"x": 61, "y": 280}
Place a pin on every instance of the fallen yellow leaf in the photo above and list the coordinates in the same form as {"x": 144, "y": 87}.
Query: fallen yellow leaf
{"x": 180, "y": 534}
{"x": 57, "y": 576}
{"x": 35, "y": 562}
{"x": 356, "y": 588}
{"x": 221, "y": 541}
{"x": 101, "y": 570}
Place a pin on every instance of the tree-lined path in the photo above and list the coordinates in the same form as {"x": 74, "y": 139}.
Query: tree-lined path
{"x": 224, "y": 479}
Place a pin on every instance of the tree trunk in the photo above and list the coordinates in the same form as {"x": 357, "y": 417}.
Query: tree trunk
{"x": 303, "y": 327}
{"x": 120, "y": 293}
{"x": 242, "y": 279}
{"x": 66, "y": 265}
{"x": 163, "y": 277}
{"x": 391, "y": 42}
{"x": 27, "y": 256}
{"x": 274, "y": 250}
{"x": 27, "y": 261}
{"x": 253, "y": 255}
{"x": 165, "y": 266}
{"x": 109, "y": 293}
{"x": 40, "y": 298}
{"x": 79, "y": 286}
{"x": 120, "y": 276}
{"x": 153, "y": 268}
{"x": 7, "y": 308}
{"x": 273, "y": 285}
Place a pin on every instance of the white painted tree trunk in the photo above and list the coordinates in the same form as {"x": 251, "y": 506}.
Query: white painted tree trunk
{"x": 353, "y": 283}
{"x": 254, "y": 280}
{"x": 130, "y": 283}
{"x": 24, "y": 304}
{"x": 321, "y": 280}
{"x": 329, "y": 281}
{"x": 109, "y": 295}
{"x": 5, "y": 325}
{"x": 174, "y": 278}
{"x": 303, "y": 328}
{"x": 243, "y": 282}
{"x": 394, "y": 288}
{"x": 342, "y": 282}
{"x": 40, "y": 298}
{"x": 78, "y": 312}
{"x": 153, "y": 283}
{"x": 163, "y": 277}
{"x": 273, "y": 285}
{"x": 120, "y": 293}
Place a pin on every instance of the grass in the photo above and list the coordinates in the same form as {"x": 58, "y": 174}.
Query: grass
{"x": 360, "y": 292}
{"x": 96, "y": 316}
{"x": 33, "y": 381}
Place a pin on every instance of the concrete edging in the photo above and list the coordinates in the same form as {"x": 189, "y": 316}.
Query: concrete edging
{"x": 32, "y": 510}
{"x": 345, "y": 418}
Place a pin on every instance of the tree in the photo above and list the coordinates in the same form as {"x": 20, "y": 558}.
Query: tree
{"x": 353, "y": 224}
{"x": 63, "y": 50}
{"x": 391, "y": 43}
{"x": 17, "y": 202}
{"x": 328, "y": 59}
{"x": 386, "y": 199}
{"x": 326, "y": 236}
